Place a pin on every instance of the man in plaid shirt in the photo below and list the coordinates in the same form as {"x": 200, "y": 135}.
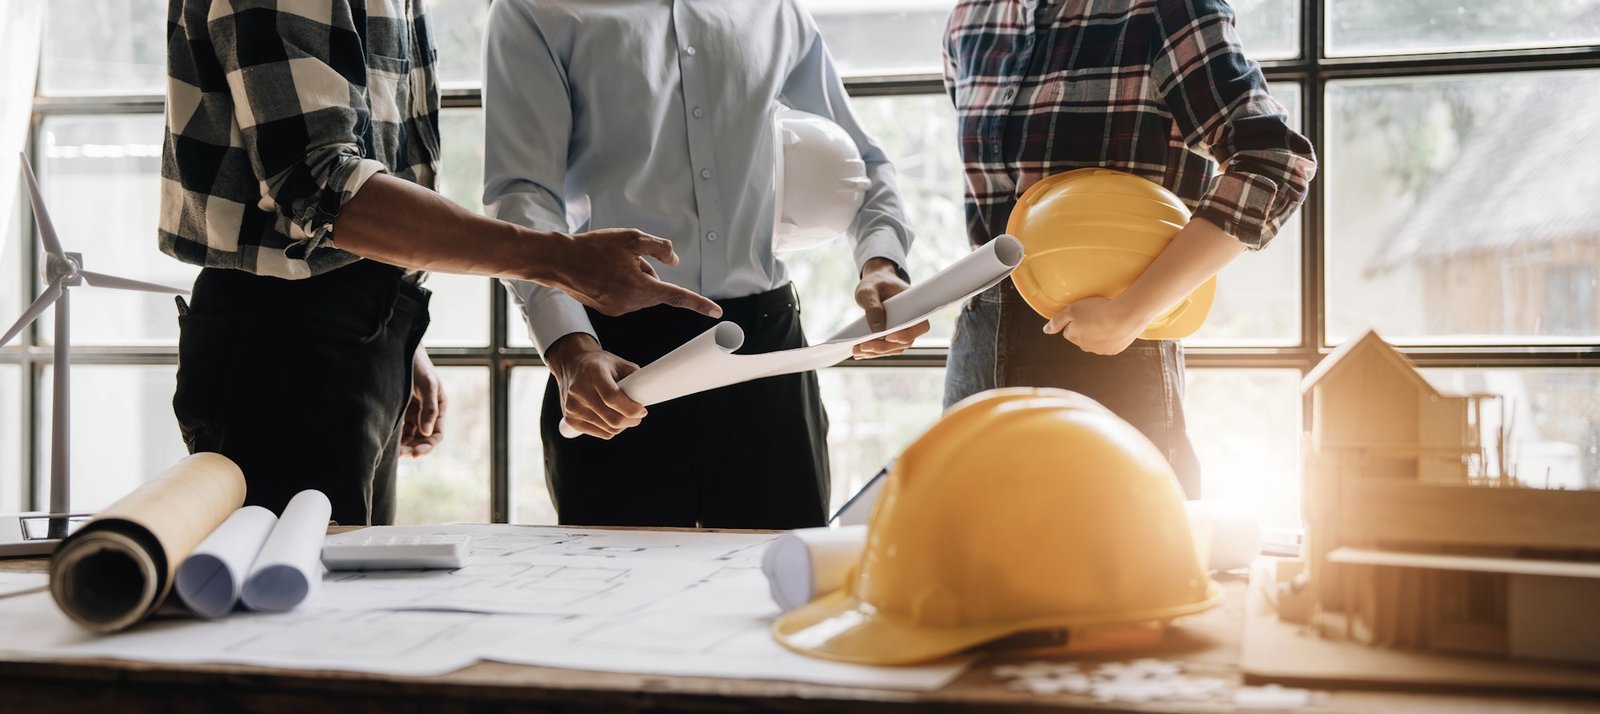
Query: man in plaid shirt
{"x": 1157, "y": 88}
{"x": 302, "y": 144}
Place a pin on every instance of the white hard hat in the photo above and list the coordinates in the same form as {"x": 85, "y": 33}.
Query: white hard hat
{"x": 818, "y": 180}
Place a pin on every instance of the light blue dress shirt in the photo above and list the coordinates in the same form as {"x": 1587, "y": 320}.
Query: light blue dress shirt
{"x": 656, "y": 115}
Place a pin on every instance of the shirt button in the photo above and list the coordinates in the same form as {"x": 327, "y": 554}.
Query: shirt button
{"x": 698, "y": 112}
{"x": 689, "y": 50}
{"x": 712, "y": 236}
{"x": 705, "y": 174}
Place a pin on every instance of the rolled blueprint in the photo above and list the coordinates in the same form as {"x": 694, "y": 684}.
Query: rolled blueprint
{"x": 708, "y": 361}
{"x": 209, "y": 581}
{"x": 116, "y": 569}
{"x": 803, "y": 565}
{"x": 289, "y": 567}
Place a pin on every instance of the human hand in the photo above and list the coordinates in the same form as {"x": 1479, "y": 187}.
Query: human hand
{"x": 880, "y": 280}
{"x": 606, "y": 270}
{"x": 590, "y": 398}
{"x": 423, "y": 425}
{"x": 1099, "y": 325}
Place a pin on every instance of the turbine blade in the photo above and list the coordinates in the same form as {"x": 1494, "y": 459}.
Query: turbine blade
{"x": 101, "y": 280}
{"x": 41, "y": 215}
{"x": 45, "y": 300}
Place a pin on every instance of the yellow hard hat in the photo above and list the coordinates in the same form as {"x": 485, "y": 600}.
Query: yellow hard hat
{"x": 1091, "y": 233}
{"x": 1022, "y": 509}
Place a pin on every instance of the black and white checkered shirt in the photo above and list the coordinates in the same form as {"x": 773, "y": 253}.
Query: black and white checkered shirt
{"x": 277, "y": 112}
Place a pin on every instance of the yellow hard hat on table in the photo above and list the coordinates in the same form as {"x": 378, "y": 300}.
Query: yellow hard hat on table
{"x": 1091, "y": 233}
{"x": 1021, "y": 510}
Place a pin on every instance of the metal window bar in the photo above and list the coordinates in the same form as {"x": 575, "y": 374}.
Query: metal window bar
{"x": 1312, "y": 71}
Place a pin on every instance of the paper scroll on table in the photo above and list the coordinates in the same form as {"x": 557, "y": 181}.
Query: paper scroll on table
{"x": 708, "y": 361}
{"x": 117, "y": 568}
{"x": 803, "y": 565}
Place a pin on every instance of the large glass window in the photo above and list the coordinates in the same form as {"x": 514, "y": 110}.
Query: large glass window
{"x": 104, "y": 47}
{"x": 1451, "y": 219}
{"x": 448, "y": 485}
{"x": 101, "y": 177}
{"x": 11, "y": 453}
{"x": 1245, "y": 426}
{"x": 1550, "y": 418}
{"x": 1448, "y": 220}
{"x": 123, "y": 430}
{"x": 1360, "y": 27}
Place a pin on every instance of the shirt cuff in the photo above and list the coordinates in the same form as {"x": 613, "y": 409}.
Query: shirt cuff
{"x": 1239, "y": 204}
{"x": 311, "y": 222}
{"x": 880, "y": 243}
{"x": 549, "y": 313}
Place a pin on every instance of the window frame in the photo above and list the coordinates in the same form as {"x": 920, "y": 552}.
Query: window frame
{"x": 1312, "y": 70}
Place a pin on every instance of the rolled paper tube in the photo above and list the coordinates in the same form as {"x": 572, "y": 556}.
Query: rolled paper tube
{"x": 289, "y": 567}
{"x": 803, "y": 565}
{"x": 209, "y": 582}
{"x": 116, "y": 570}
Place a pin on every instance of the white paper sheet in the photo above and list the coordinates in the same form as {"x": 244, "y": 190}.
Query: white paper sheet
{"x": 719, "y": 626}
{"x": 708, "y": 361}
{"x": 715, "y": 624}
{"x": 539, "y": 571}
{"x": 209, "y": 581}
{"x": 397, "y": 643}
{"x": 803, "y": 565}
{"x": 15, "y": 583}
{"x": 288, "y": 570}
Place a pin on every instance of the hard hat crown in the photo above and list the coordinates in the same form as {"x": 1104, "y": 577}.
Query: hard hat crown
{"x": 1022, "y": 509}
{"x": 1091, "y": 233}
{"x": 819, "y": 180}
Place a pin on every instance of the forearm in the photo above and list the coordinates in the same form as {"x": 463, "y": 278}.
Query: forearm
{"x": 1195, "y": 255}
{"x": 398, "y": 222}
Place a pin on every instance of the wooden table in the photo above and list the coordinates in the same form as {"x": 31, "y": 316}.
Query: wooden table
{"x": 1207, "y": 644}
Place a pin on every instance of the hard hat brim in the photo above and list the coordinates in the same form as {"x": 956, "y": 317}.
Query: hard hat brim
{"x": 840, "y": 627}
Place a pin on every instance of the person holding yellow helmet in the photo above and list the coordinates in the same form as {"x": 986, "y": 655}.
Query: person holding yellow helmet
{"x": 1161, "y": 92}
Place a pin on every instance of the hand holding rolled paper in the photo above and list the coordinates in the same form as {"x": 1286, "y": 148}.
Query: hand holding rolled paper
{"x": 708, "y": 361}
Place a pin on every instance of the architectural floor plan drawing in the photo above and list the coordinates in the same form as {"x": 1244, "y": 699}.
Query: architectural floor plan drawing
{"x": 542, "y": 571}
{"x": 645, "y": 602}
{"x": 379, "y": 642}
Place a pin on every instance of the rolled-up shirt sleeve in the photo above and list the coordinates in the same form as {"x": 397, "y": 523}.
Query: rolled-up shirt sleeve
{"x": 297, "y": 74}
{"x": 1219, "y": 102}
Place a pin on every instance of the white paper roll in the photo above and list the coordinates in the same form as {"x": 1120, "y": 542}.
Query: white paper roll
{"x": 803, "y": 565}
{"x": 707, "y": 361}
{"x": 210, "y": 579}
{"x": 289, "y": 567}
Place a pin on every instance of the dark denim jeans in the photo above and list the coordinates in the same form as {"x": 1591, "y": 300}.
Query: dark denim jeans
{"x": 999, "y": 342}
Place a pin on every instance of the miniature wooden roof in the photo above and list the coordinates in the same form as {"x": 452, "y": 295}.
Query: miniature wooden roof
{"x": 1369, "y": 349}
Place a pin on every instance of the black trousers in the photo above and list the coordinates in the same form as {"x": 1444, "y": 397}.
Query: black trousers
{"x": 302, "y": 383}
{"x": 751, "y": 455}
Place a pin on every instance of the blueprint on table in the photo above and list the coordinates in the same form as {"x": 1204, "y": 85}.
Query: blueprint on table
{"x": 647, "y": 602}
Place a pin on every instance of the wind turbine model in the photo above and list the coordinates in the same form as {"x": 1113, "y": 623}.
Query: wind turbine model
{"x": 62, "y": 270}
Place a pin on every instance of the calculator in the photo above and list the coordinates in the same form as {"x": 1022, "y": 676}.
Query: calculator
{"x": 396, "y": 552}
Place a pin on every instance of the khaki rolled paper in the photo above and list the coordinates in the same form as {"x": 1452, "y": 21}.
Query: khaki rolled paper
{"x": 118, "y": 568}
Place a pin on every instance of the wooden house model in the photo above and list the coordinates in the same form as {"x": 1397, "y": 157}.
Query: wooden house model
{"x": 1417, "y": 536}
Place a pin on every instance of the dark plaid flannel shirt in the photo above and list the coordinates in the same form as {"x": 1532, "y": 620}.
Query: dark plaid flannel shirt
{"x": 1157, "y": 88}
{"x": 278, "y": 111}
